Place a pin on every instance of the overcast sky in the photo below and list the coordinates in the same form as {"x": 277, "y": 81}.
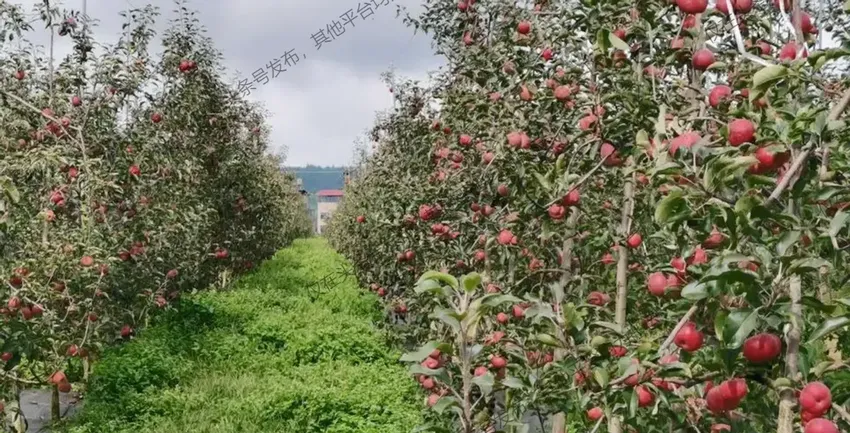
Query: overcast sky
{"x": 323, "y": 104}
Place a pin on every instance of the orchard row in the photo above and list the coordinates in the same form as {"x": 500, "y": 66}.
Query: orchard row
{"x": 128, "y": 180}
{"x": 624, "y": 216}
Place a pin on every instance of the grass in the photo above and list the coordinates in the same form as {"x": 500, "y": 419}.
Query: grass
{"x": 283, "y": 351}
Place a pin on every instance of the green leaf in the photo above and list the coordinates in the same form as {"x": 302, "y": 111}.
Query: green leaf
{"x": 444, "y": 403}
{"x": 547, "y": 340}
{"x": 600, "y": 375}
{"x": 720, "y": 324}
{"x": 829, "y": 326}
{"x": 441, "y": 277}
{"x": 807, "y": 265}
{"x": 669, "y": 206}
{"x": 744, "y": 330}
{"x": 512, "y": 382}
{"x": 838, "y": 222}
{"x": 471, "y": 281}
{"x": 542, "y": 181}
{"x": 431, "y": 286}
{"x": 485, "y": 382}
{"x": 612, "y": 326}
{"x": 738, "y": 323}
{"x": 421, "y": 354}
{"x": 695, "y": 291}
{"x": 447, "y": 317}
{"x": 788, "y": 238}
{"x": 602, "y": 40}
{"x": 618, "y": 43}
{"x": 768, "y": 75}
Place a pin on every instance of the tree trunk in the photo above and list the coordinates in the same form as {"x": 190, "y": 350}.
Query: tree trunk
{"x": 559, "y": 420}
{"x": 622, "y": 250}
{"x": 55, "y": 413}
{"x": 788, "y": 401}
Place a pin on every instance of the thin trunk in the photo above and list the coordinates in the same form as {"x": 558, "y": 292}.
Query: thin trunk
{"x": 55, "y": 413}
{"x": 623, "y": 263}
{"x": 788, "y": 400}
{"x": 559, "y": 420}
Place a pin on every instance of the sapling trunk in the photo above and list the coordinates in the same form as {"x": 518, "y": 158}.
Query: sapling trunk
{"x": 623, "y": 263}
{"x": 559, "y": 420}
{"x": 787, "y": 402}
{"x": 55, "y": 413}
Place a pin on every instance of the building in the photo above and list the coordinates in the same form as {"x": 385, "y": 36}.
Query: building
{"x": 327, "y": 202}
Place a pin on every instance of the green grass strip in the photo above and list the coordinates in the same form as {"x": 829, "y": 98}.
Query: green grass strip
{"x": 279, "y": 352}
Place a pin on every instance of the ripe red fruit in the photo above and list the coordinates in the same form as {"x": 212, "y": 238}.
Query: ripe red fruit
{"x": 502, "y": 318}
{"x": 610, "y": 155}
{"x": 502, "y": 189}
{"x": 815, "y": 398}
{"x": 6, "y": 356}
{"x": 481, "y": 370}
{"x": 547, "y": 54}
{"x": 64, "y": 387}
{"x": 156, "y": 117}
{"x": 820, "y": 425}
{"x": 58, "y": 377}
{"x": 678, "y": 264}
{"x": 741, "y": 131}
{"x": 172, "y": 274}
{"x": 714, "y": 239}
{"x": 431, "y": 363}
{"x": 762, "y": 348}
{"x": 433, "y": 399}
{"x": 409, "y": 255}
{"x": 572, "y": 198}
{"x": 598, "y": 298}
{"x": 20, "y": 75}
{"x": 718, "y": 94}
{"x": 86, "y": 261}
{"x": 562, "y": 93}
{"x": 657, "y": 283}
{"x": 381, "y": 292}
{"x": 126, "y": 331}
{"x": 76, "y": 101}
{"x": 523, "y": 28}
{"x": 594, "y": 414}
{"x": 634, "y": 240}
{"x": 703, "y": 59}
{"x": 135, "y": 170}
{"x": 739, "y": 6}
{"x": 692, "y": 6}
{"x": 806, "y": 24}
{"x": 465, "y": 140}
{"x": 607, "y": 259}
{"x": 14, "y": 303}
{"x": 645, "y": 396}
{"x": 506, "y": 237}
{"x": 518, "y": 311}
{"x": 462, "y": 6}
{"x": 360, "y": 219}
{"x": 498, "y": 362}
{"x": 617, "y": 351}
{"x": 586, "y": 122}
{"x": 789, "y": 51}
{"x": 557, "y": 212}
{"x": 689, "y": 338}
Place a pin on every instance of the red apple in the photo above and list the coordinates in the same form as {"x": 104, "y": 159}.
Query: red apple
{"x": 156, "y": 117}
{"x": 702, "y": 59}
{"x": 820, "y": 425}
{"x": 645, "y": 396}
{"x": 762, "y": 348}
{"x": 594, "y": 414}
{"x": 816, "y": 398}
{"x": 524, "y": 27}
{"x": 692, "y": 6}
{"x": 689, "y": 338}
{"x": 657, "y": 283}
{"x": 718, "y": 94}
{"x": 741, "y": 131}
